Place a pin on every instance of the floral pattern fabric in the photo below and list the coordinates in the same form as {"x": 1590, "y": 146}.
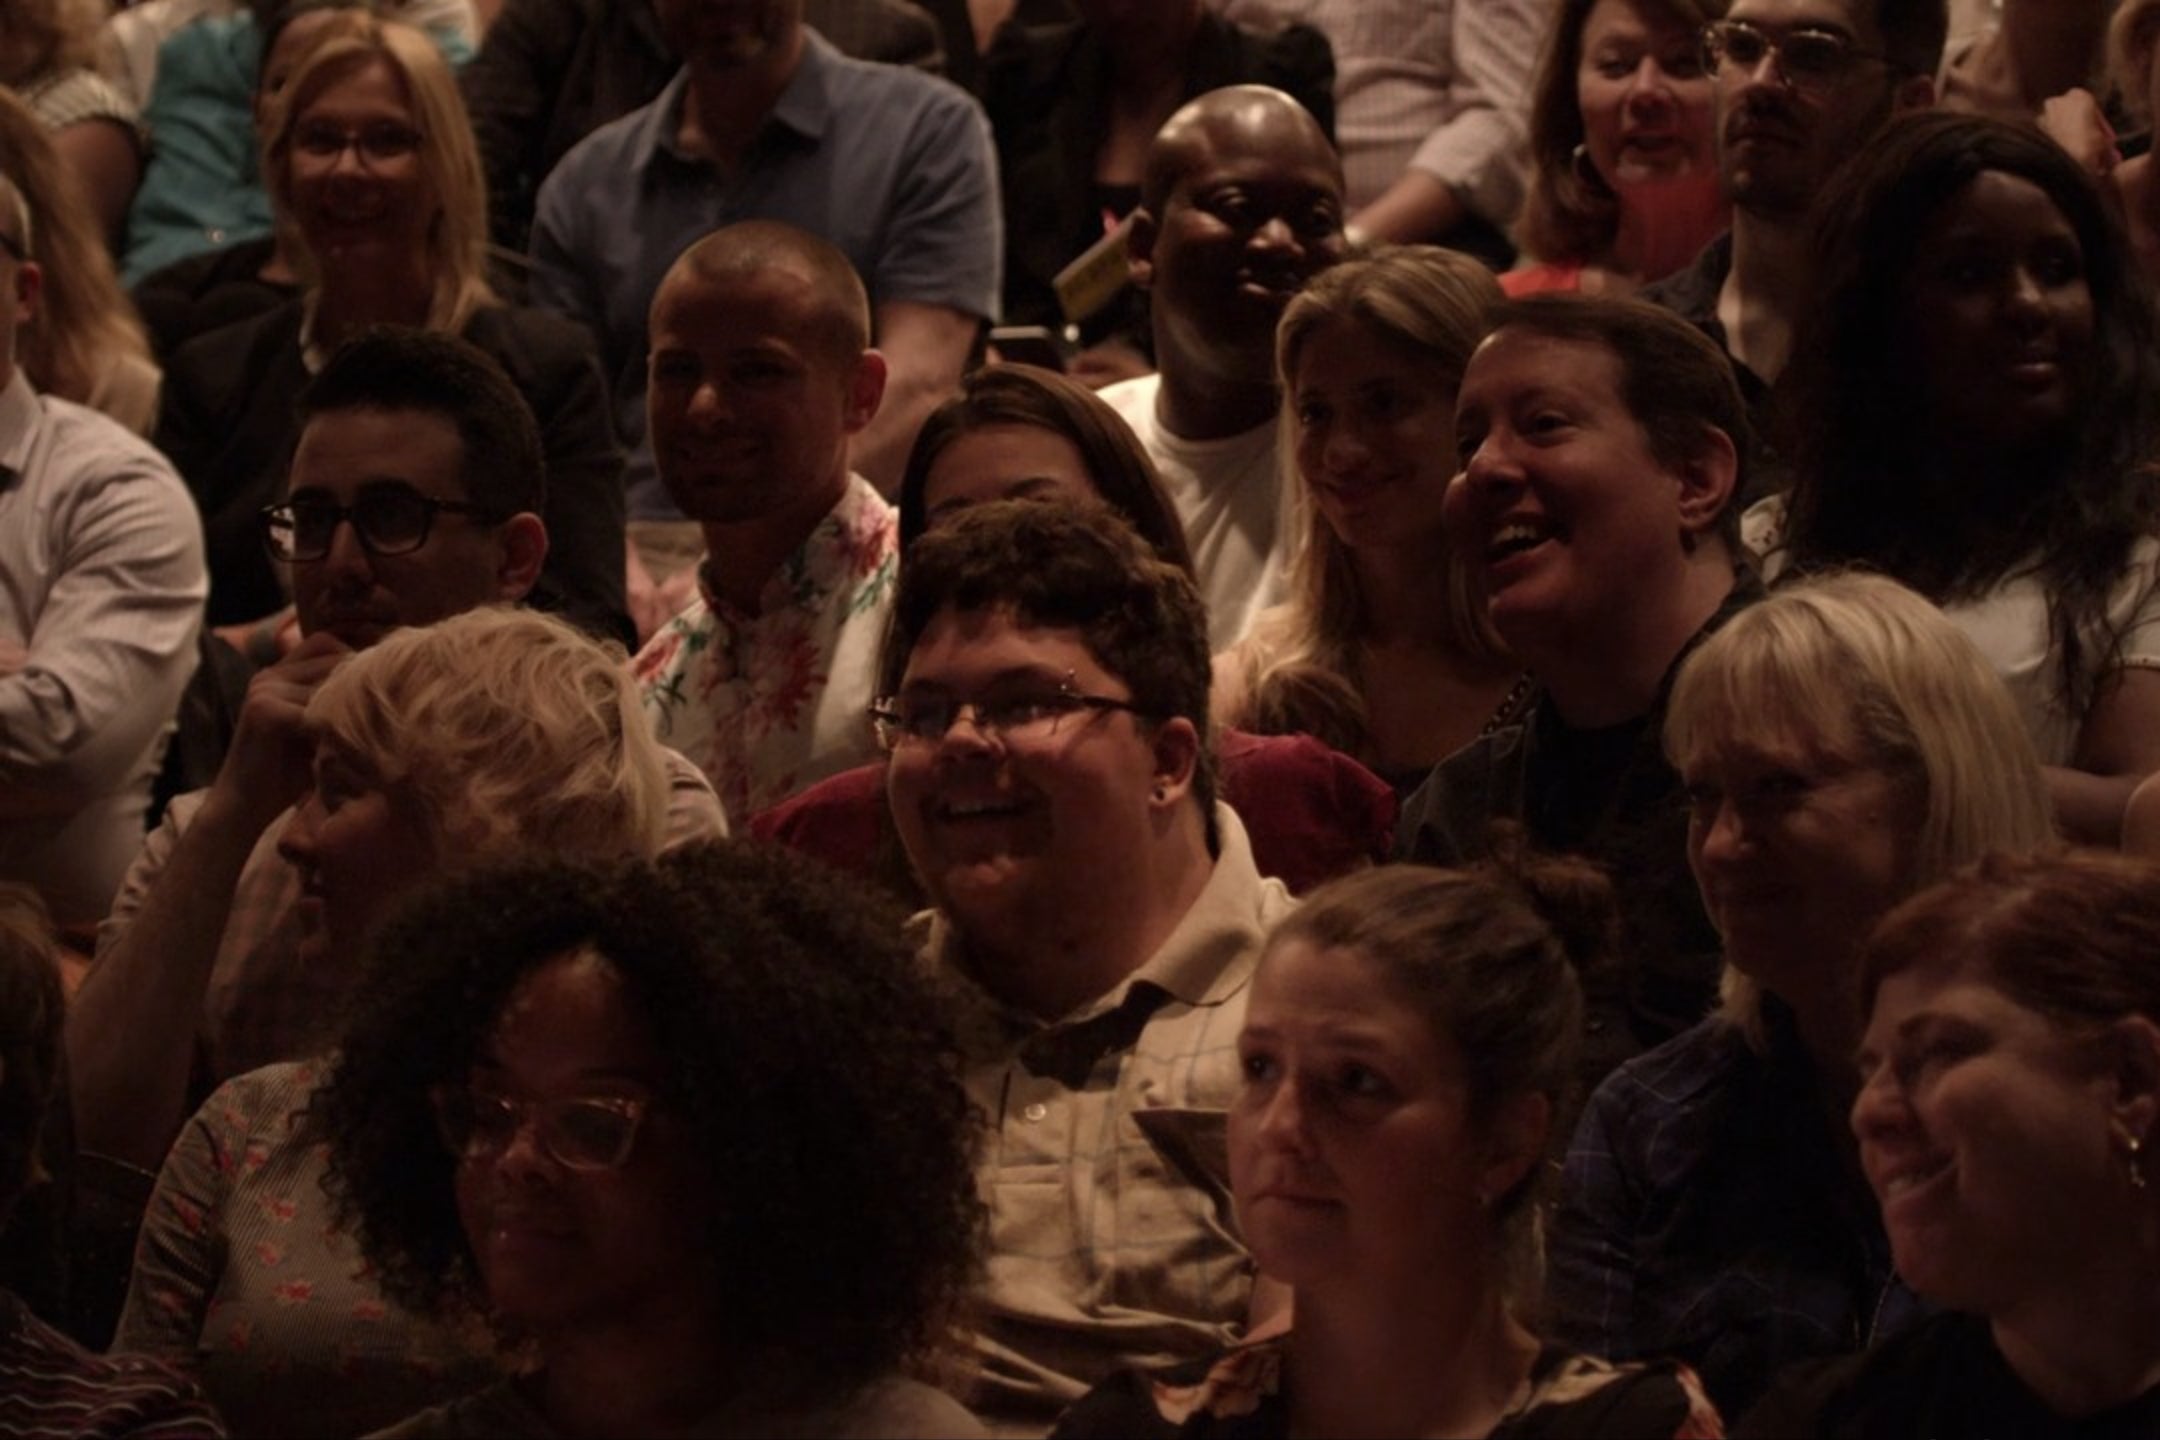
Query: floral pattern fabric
{"x": 1242, "y": 1395}
{"x": 768, "y": 703}
{"x": 244, "y": 1279}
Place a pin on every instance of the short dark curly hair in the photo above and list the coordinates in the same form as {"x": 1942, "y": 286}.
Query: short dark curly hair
{"x": 807, "y": 1055}
{"x": 1070, "y": 565}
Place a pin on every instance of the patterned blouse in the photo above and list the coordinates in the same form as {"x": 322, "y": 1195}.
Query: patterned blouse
{"x": 243, "y": 1279}
{"x": 768, "y": 703}
{"x": 1240, "y": 1395}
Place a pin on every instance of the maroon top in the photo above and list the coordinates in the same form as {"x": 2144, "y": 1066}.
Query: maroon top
{"x": 1312, "y": 813}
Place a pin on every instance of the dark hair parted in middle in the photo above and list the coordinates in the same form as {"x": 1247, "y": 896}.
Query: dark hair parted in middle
{"x": 1066, "y": 566}
{"x": 394, "y": 367}
{"x": 1865, "y": 488}
{"x": 1116, "y": 462}
{"x": 809, "y": 1066}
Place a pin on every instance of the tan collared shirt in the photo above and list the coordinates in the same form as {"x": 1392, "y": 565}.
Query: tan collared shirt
{"x": 1112, "y": 1238}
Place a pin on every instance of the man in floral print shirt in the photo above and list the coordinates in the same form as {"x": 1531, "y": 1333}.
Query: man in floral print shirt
{"x": 761, "y": 373}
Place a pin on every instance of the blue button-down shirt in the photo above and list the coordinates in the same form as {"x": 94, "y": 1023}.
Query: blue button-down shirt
{"x": 892, "y": 166}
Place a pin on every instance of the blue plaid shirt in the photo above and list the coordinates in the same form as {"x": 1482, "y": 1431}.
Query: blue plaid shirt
{"x": 1708, "y": 1215}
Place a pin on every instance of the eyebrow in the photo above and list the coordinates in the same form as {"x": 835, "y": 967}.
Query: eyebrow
{"x": 1003, "y": 677}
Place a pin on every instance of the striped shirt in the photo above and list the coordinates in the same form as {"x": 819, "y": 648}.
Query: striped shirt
{"x": 52, "y": 1387}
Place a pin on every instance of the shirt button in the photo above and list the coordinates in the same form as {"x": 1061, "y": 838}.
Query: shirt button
{"x": 1035, "y": 1112}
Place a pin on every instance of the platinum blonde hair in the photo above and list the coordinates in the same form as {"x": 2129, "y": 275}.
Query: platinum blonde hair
{"x": 1857, "y": 666}
{"x": 509, "y": 732}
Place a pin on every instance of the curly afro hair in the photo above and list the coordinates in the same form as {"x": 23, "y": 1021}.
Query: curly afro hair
{"x": 810, "y": 1060}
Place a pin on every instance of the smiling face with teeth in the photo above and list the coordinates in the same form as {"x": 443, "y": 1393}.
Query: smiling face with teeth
{"x": 1016, "y": 836}
{"x": 345, "y": 204}
{"x": 1563, "y": 506}
{"x": 1986, "y": 1131}
{"x": 1243, "y": 206}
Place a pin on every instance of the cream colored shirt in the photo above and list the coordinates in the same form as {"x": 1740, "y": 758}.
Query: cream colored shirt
{"x": 1112, "y": 1238}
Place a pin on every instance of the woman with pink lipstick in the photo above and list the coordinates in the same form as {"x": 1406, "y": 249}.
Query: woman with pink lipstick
{"x": 1625, "y": 186}
{"x": 2008, "y": 1122}
{"x": 1841, "y": 745}
{"x": 498, "y": 733}
{"x": 1382, "y": 651}
{"x": 1975, "y": 411}
{"x": 1409, "y": 1041}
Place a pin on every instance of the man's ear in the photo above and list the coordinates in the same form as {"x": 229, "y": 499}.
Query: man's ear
{"x": 1140, "y": 247}
{"x": 524, "y": 545}
{"x": 1514, "y": 1143}
{"x": 1177, "y": 760}
{"x": 1707, "y": 479}
{"x": 866, "y": 390}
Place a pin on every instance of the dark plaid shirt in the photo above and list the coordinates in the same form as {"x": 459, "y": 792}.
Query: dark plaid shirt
{"x": 1708, "y": 1215}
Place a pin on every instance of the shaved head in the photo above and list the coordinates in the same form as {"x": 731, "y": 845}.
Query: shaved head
{"x": 840, "y": 308}
{"x": 1236, "y": 118}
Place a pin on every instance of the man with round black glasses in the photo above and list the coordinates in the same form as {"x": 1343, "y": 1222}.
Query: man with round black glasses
{"x": 413, "y": 496}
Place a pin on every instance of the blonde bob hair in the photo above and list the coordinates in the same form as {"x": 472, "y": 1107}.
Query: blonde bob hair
{"x": 1855, "y": 665}
{"x": 449, "y": 156}
{"x": 1432, "y": 303}
{"x": 507, "y": 731}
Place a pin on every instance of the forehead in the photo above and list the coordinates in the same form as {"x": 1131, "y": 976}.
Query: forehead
{"x": 1938, "y": 983}
{"x": 1257, "y": 145}
{"x": 1629, "y": 17}
{"x": 1301, "y": 986}
{"x": 572, "y": 1017}
{"x": 1343, "y": 351}
{"x": 1851, "y": 17}
{"x": 342, "y": 452}
{"x": 701, "y": 311}
{"x": 1007, "y": 452}
{"x": 1997, "y": 199}
{"x": 966, "y": 647}
{"x": 370, "y": 85}
{"x": 1515, "y": 361}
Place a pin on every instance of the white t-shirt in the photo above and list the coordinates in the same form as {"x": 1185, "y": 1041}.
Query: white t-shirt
{"x": 2010, "y": 627}
{"x": 1232, "y": 501}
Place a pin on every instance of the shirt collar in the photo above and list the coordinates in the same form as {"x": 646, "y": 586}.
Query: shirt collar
{"x": 1206, "y": 960}
{"x": 804, "y": 107}
{"x": 824, "y": 559}
{"x": 19, "y": 417}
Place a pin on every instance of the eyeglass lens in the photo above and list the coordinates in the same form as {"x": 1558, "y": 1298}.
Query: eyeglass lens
{"x": 389, "y": 522}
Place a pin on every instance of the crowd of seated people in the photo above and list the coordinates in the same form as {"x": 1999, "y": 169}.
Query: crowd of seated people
{"x": 1501, "y": 653}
